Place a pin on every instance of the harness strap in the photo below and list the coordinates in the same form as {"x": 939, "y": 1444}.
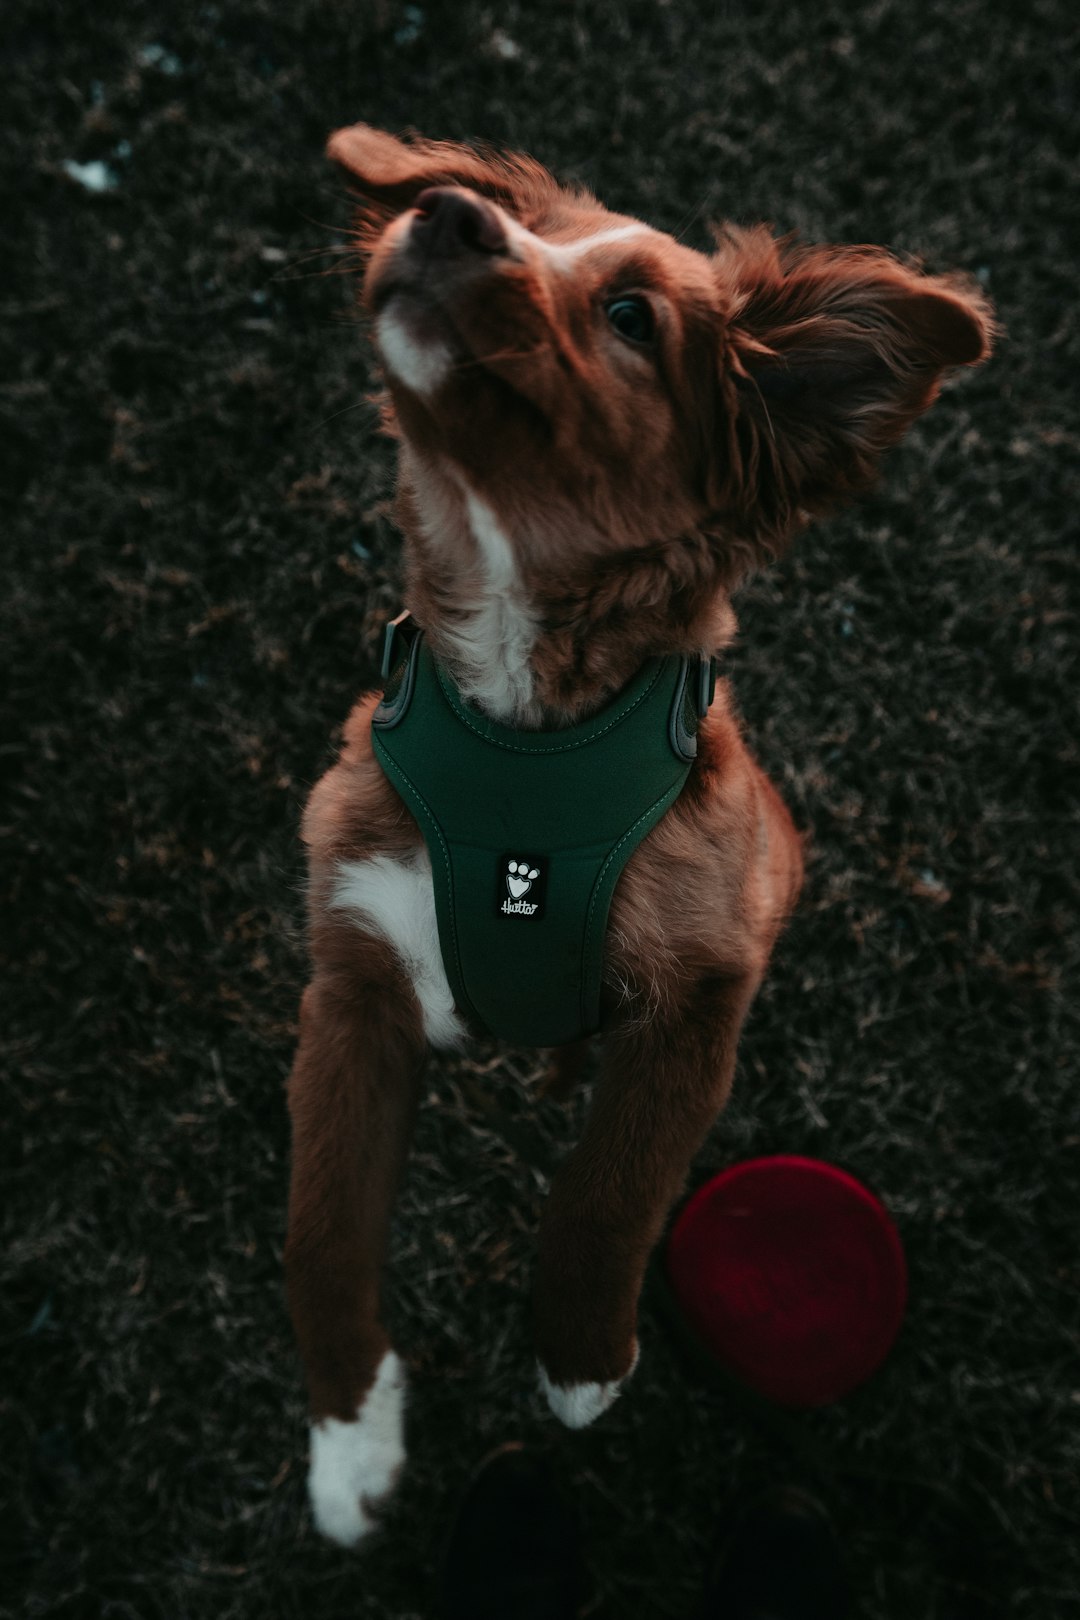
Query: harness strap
{"x": 529, "y": 831}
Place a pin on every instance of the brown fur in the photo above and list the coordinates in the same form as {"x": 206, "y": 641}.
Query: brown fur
{"x": 637, "y": 488}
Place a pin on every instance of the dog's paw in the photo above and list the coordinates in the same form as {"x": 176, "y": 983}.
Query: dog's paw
{"x": 578, "y": 1405}
{"x": 355, "y": 1465}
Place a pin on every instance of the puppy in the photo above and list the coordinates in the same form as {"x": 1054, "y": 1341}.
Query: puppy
{"x": 600, "y": 432}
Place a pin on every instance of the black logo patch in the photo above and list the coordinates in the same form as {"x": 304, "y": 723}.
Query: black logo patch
{"x": 520, "y": 886}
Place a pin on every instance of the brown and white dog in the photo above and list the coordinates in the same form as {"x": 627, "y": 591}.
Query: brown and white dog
{"x": 601, "y": 431}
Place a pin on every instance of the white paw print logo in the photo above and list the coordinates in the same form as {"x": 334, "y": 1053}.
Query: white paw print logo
{"x": 519, "y": 878}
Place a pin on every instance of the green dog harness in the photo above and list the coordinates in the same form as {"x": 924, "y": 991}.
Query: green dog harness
{"x": 528, "y": 831}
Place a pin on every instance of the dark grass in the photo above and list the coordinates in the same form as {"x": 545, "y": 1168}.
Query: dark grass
{"x": 197, "y": 559}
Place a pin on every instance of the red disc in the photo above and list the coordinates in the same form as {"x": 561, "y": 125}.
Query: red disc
{"x": 792, "y": 1274}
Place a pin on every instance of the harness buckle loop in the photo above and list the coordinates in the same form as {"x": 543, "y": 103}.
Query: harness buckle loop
{"x": 705, "y": 689}
{"x": 397, "y": 630}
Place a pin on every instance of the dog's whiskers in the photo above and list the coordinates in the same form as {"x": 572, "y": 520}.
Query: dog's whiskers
{"x": 497, "y": 356}
{"x": 690, "y": 218}
{"x": 361, "y": 404}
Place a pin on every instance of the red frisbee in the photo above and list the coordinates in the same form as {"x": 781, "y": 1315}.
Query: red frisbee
{"x": 792, "y": 1274}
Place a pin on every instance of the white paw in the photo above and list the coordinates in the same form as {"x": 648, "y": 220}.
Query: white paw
{"x": 354, "y": 1465}
{"x": 578, "y": 1405}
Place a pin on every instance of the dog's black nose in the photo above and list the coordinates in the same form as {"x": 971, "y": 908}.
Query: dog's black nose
{"x": 451, "y": 222}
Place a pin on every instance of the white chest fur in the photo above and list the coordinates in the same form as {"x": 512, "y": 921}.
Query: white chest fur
{"x": 490, "y": 645}
{"x": 397, "y": 900}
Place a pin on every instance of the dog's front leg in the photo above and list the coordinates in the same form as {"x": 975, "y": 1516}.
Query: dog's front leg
{"x": 660, "y": 1089}
{"x": 352, "y": 1098}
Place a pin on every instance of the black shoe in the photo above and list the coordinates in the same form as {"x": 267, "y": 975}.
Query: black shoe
{"x": 779, "y": 1560}
{"x": 513, "y": 1552}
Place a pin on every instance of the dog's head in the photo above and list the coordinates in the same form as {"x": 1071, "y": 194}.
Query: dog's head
{"x": 603, "y": 387}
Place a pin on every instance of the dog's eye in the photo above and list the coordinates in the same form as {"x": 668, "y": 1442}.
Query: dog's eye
{"x": 632, "y": 317}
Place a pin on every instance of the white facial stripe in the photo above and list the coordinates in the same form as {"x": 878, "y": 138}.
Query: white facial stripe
{"x": 354, "y": 1465}
{"x": 421, "y": 366}
{"x": 566, "y": 255}
{"x": 490, "y": 648}
{"x": 397, "y": 899}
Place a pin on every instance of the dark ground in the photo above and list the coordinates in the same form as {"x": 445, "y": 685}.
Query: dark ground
{"x": 197, "y": 560}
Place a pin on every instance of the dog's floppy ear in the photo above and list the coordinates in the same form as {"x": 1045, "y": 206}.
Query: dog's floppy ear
{"x": 831, "y": 355}
{"x": 391, "y": 173}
